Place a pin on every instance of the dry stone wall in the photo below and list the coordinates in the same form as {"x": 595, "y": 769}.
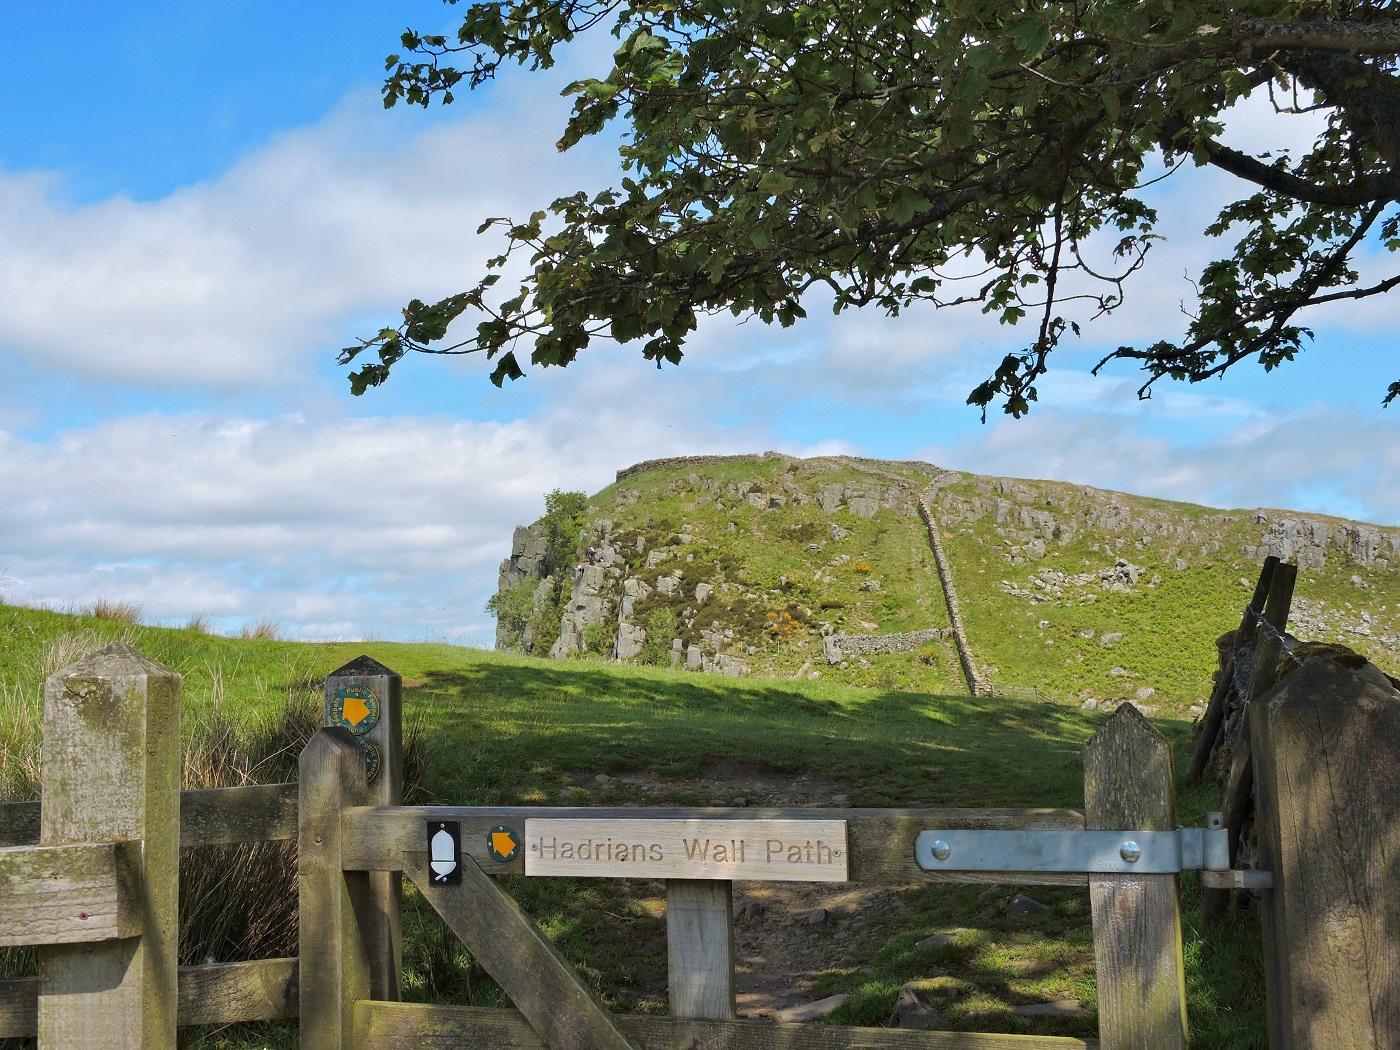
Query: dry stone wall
{"x": 837, "y": 647}
{"x": 1030, "y": 517}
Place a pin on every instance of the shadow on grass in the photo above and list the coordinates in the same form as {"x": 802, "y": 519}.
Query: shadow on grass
{"x": 504, "y": 733}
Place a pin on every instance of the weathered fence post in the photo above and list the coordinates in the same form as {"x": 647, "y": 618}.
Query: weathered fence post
{"x": 1137, "y": 919}
{"x": 700, "y": 948}
{"x": 366, "y": 698}
{"x": 1239, "y": 790}
{"x": 1214, "y": 715}
{"x": 1327, "y": 788}
{"x": 334, "y": 959}
{"x": 112, "y": 771}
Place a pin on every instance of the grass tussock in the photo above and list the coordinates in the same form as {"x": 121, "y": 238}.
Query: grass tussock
{"x": 124, "y": 611}
{"x": 263, "y": 631}
{"x": 199, "y": 623}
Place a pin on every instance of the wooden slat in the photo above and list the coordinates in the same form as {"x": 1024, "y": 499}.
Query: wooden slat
{"x": 401, "y": 1026}
{"x": 700, "y": 948}
{"x": 565, "y": 1013}
{"x": 220, "y": 993}
{"x": 1327, "y": 760}
{"x": 251, "y": 813}
{"x": 208, "y": 816}
{"x": 228, "y": 993}
{"x": 881, "y": 840}
{"x": 71, "y": 894}
{"x": 334, "y": 971}
{"x": 1137, "y": 922}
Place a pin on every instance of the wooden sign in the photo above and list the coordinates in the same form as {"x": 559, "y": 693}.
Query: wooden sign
{"x": 783, "y": 850}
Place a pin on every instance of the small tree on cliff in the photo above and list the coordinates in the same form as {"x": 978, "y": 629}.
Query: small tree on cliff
{"x": 943, "y": 151}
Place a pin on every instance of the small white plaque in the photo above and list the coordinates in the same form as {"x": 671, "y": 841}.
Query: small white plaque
{"x": 783, "y": 850}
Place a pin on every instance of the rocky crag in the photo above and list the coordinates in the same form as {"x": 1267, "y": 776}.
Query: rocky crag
{"x": 772, "y": 565}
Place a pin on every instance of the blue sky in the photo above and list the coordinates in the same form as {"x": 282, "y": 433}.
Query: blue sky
{"x": 200, "y": 202}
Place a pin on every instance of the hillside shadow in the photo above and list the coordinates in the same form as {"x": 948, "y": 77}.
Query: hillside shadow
{"x": 505, "y": 733}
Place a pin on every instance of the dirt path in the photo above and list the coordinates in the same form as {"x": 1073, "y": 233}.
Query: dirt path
{"x": 785, "y": 933}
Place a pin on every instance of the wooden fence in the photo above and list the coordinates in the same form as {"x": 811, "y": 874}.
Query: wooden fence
{"x": 1308, "y": 753}
{"x": 90, "y": 878}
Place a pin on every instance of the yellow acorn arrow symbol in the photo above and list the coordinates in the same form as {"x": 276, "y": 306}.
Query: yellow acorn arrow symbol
{"x": 502, "y": 843}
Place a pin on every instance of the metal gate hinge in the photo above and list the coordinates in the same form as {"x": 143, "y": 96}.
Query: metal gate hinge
{"x": 1096, "y": 852}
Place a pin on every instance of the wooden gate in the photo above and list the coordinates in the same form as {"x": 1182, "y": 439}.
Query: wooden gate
{"x": 343, "y": 840}
{"x": 91, "y": 878}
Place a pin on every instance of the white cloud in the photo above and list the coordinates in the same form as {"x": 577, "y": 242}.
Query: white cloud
{"x": 1327, "y": 459}
{"x": 394, "y": 525}
{"x": 237, "y": 281}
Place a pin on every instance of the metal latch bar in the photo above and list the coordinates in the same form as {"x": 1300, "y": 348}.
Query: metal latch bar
{"x": 1096, "y": 852}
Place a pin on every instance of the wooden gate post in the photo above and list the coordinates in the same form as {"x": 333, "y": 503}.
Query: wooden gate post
{"x": 334, "y": 960}
{"x": 1327, "y": 789}
{"x": 1137, "y": 918}
{"x": 382, "y": 731}
{"x": 112, "y": 771}
{"x": 700, "y": 948}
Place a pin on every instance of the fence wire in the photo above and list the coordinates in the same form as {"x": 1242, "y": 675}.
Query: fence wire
{"x": 1243, "y": 657}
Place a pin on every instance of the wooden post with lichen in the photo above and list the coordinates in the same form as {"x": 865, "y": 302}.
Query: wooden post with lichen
{"x": 1137, "y": 918}
{"x": 112, "y": 772}
{"x": 366, "y": 698}
{"x": 1327, "y": 788}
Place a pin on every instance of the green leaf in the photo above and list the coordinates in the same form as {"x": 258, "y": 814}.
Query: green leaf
{"x": 1031, "y": 35}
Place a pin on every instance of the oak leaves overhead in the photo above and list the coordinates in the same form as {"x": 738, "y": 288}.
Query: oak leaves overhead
{"x": 985, "y": 152}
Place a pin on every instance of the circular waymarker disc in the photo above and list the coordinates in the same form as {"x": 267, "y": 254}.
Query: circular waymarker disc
{"x": 372, "y": 760}
{"x": 503, "y": 843}
{"x": 356, "y": 708}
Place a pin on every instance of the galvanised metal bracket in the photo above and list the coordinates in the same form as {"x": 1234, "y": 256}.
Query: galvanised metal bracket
{"x": 1097, "y": 852}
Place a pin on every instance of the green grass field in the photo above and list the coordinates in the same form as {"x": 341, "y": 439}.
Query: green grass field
{"x": 514, "y": 730}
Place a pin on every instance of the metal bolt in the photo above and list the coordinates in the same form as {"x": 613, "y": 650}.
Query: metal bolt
{"x": 941, "y": 849}
{"x": 1130, "y": 852}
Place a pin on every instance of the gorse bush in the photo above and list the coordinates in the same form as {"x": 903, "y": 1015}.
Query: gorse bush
{"x": 781, "y": 626}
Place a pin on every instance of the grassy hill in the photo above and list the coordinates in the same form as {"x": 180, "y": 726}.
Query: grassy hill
{"x": 1083, "y": 594}
{"x": 498, "y": 728}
